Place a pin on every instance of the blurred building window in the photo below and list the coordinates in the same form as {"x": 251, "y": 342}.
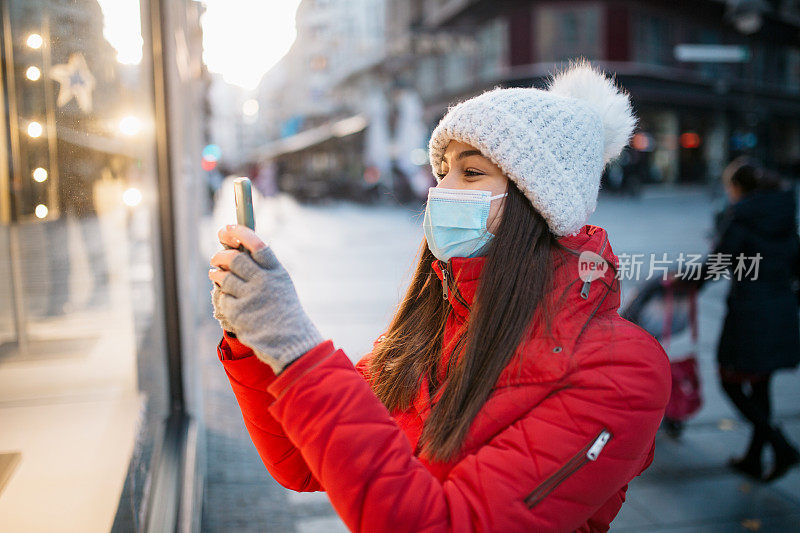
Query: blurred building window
{"x": 565, "y": 32}
{"x": 653, "y": 41}
{"x": 711, "y": 70}
{"x": 493, "y": 48}
{"x": 428, "y": 75}
{"x": 457, "y": 72}
{"x": 791, "y": 80}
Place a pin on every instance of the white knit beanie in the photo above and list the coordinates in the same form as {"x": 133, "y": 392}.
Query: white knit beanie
{"x": 553, "y": 143}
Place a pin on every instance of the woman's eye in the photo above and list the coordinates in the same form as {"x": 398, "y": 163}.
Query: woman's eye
{"x": 468, "y": 173}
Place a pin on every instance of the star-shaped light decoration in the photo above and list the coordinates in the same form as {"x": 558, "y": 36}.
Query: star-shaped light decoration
{"x": 75, "y": 81}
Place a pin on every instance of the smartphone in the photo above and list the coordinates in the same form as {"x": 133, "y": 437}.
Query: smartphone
{"x": 243, "y": 197}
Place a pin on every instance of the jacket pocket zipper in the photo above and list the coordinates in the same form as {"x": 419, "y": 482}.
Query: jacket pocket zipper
{"x": 590, "y": 452}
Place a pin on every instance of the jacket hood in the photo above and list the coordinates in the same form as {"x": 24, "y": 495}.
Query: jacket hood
{"x": 770, "y": 214}
{"x": 579, "y": 297}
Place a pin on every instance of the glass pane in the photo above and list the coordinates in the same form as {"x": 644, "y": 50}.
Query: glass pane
{"x": 82, "y": 375}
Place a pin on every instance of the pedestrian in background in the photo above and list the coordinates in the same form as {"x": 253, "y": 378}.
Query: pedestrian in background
{"x": 760, "y": 334}
{"x": 507, "y": 394}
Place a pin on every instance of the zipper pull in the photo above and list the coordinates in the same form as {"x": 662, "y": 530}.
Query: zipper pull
{"x": 444, "y": 282}
{"x": 598, "y": 445}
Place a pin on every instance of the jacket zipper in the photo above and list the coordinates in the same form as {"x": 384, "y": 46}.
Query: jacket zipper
{"x": 447, "y": 272}
{"x": 444, "y": 283}
{"x": 588, "y": 283}
{"x": 590, "y": 452}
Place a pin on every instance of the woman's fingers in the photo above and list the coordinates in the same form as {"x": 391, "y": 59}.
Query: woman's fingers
{"x": 223, "y": 258}
{"x": 228, "y": 282}
{"x": 226, "y": 236}
{"x": 240, "y": 263}
{"x": 235, "y": 234}
{"x": 217, "y": 276}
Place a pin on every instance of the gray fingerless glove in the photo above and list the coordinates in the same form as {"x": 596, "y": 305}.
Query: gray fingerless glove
{"x": 259, "y": 301}
{"x": 216, "y": 293}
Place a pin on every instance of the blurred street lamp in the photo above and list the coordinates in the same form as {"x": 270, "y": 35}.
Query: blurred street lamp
{"x": 33, "y": 73}
{"x": 746, "y": 15}
{"x": 250, "y": 108}
{"x": 690, "y": 139}
{"x": 250, "y": 111}
{"x": 41, "y": 211}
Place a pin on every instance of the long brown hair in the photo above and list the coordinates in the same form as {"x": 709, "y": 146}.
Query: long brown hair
{"x": 515, "y": 279}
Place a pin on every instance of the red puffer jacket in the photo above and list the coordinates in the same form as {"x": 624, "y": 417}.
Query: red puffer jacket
{"x": 568, "y": 425}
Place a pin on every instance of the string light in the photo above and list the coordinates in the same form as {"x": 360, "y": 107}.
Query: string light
{"x": 132, "y": 197}
{"x": 33, "y": 73}
{"x": 39, "y": 174}
{"x": 130, "y": 126}
{"x": 41, "y": 211}
{"x": 35, "y": 129}
{"x": 34, "y": 41}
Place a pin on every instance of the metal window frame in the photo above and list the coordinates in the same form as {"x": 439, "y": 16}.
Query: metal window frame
{"x": 173, "y": 503}
{"x": 174, "y": 499}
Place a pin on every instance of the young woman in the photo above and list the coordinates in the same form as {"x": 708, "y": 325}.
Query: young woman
{"x": 760, "y": 334}
{"x": 506, "y": 394}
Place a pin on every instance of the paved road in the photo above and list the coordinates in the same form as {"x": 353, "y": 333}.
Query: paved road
{"x": 350, "y": 265}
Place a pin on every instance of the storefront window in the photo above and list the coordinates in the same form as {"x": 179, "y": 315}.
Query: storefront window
{"x": 82, "y": 370}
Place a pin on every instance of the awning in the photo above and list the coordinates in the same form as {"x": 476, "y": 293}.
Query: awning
{"x": 311, "y": 137}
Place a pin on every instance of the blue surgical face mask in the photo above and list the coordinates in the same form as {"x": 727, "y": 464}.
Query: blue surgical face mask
{"x": 455, "y": 222}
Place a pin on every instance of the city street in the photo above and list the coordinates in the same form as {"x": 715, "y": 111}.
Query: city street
{"x": 350, "y": 265}
{"x": 125, "y": 123}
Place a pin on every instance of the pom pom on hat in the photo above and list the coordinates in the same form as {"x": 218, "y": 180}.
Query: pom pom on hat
{"x": 582, "y": 82}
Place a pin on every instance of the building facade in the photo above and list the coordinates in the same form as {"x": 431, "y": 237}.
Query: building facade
{"x": 695, "y": 115}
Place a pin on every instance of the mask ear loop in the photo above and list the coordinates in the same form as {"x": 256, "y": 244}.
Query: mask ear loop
{"x": 490, "y": 201}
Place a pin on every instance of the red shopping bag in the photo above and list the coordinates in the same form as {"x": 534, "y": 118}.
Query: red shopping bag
{"x": 686, "y": 397}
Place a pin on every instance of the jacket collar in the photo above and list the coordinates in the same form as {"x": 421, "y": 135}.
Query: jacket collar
{"x": 599, "y": 295}
{"x": 547, "y": 358}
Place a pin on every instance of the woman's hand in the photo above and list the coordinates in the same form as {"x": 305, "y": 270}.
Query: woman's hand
{"x": 229, "y": 239}
{"x": 256, "y": 298}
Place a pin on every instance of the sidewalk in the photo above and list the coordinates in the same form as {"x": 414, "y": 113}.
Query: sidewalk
{"x": 239, "y": 493}
{"x": 350, "y": 265}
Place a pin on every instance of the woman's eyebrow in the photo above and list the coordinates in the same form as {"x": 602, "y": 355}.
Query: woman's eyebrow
{"x": 468, "y": 153}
